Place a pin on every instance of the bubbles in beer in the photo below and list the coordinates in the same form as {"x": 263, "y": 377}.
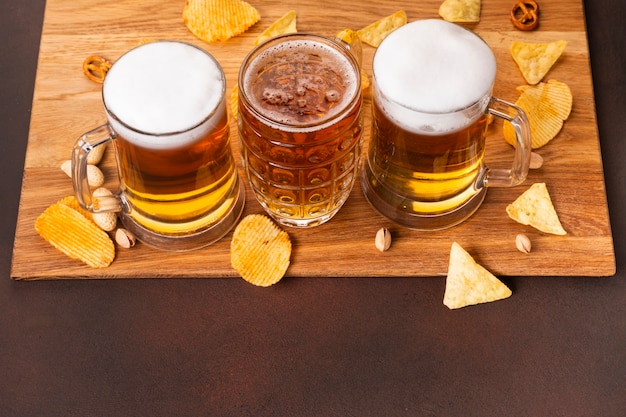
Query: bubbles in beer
{"x": 434, "y": 67}
{"x": 163, "y": 88}
{"x": 300, "y": 82}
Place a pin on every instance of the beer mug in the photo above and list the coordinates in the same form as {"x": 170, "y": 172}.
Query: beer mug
{"x": 166, "y": 117}
{"x": 431, "y": 107}
{"x": 301, "y": 126}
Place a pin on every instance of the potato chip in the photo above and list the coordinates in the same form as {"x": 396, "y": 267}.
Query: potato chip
{"x": 460, "y": 11}
{"x": 219, "y": 20}
{"x": 469, "y": 283}
{"x": 76, "y": 236}
{"x": 72, "y": 202}
{"x": 374, "y": 33}
{"x": 260, "y": 250}
{"x": 534, "y": 208}
{"x": 234, "y": 102}
{"x": 282, "y": 26}
{"x": 547, "y": 106}
{"x": 535, "y": 59}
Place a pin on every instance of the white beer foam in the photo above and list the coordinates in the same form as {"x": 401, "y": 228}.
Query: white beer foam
{"x": 164, "y": 88}
{"x": 433, "y": 67}
{"x": 293, "y": 50}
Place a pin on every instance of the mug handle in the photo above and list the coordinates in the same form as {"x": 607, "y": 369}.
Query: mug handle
{"x": 83, "y": 146}
{"x": 521, "y": 161}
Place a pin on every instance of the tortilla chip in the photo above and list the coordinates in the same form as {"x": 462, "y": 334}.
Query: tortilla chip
{"x": 234, "y": 102}
{"x": 351, "y": 38}
{"x": 535, "y": 59}
{"x": 286, "y": 24}
{"x": 374, "y": 33}
{"x": 460, "y": 11}
{"x": 469, "y": 283}
{"x": 534, "y": 208}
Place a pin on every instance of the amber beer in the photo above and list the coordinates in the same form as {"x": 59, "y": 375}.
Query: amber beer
{"x": 165, "y": 102}
{"x": 432, "y": 96}
{"x": 300, "y": 126}
{"x": 429, "y": 173}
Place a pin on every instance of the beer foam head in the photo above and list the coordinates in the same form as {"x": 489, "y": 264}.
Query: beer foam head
{"x": 160, "y": 89}
{"x": 434, "y": 67}
{"x": 301, "y": 49}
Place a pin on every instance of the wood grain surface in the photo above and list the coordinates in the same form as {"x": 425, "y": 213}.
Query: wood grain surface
{"x": 66, "y": 104}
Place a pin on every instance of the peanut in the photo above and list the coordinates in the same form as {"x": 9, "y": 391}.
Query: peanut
{"x": 95, "y": 177}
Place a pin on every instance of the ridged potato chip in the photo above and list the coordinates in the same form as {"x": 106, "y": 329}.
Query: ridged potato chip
{"x": 460, "y": 11}
{"x": 534, "y": 208}
{"x": 73, "y": 234}
{"x": 72, "y": 202}
{"x": 547, "y": 106}
{"x": 535, "y": 59}
{"x": 374, "y": 33}
{"x": 286, "y": 24}
{"x": 470, "y": 283}
{"x": 260, "y": 250}
{"x": 219, "y": 20}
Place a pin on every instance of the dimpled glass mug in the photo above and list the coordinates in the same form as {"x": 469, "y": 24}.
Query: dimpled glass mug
{"x": 166, "y": 116}
{"x": 301, "y": 126}
{"x": 432, "y": 100}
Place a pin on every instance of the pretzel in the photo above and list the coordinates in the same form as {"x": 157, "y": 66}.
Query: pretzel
{"x": 96, "y": 67}
{"x": 525, "y": 15}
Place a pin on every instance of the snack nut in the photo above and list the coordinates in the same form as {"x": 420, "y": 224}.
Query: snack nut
{"x": 525, "y": 15}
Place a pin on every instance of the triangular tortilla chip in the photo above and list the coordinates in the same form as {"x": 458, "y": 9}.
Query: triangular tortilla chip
{"x": 535, "y": 59}
{"x": 469, "y": 283}
{"x": 373, "y": 34}
{"x": 351, "y": 38}
{"x": 534, "y": 208}
{"x": 219, "y": 20}
{"x": 460, "y": 11}
{"x": 286, "y": 24}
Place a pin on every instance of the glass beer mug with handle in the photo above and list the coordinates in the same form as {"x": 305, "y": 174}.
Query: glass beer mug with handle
{"x": 431, "y": 106}
{"x": 301, "y": 126}
{"x": 167, "y": 119}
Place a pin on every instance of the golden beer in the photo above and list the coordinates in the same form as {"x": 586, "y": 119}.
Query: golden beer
{"x": 167, "y": 119}
{"x": 427, "y": 173}
{"x": 300, "y": 127}
{"x": 179, "y": 190}
{"x": 432, "y": 99}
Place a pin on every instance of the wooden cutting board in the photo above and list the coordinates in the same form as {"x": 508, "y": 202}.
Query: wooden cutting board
{"x": 66, "y": 104}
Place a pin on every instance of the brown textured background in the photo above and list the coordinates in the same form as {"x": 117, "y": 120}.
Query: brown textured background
{"x": 309, "y": 347}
